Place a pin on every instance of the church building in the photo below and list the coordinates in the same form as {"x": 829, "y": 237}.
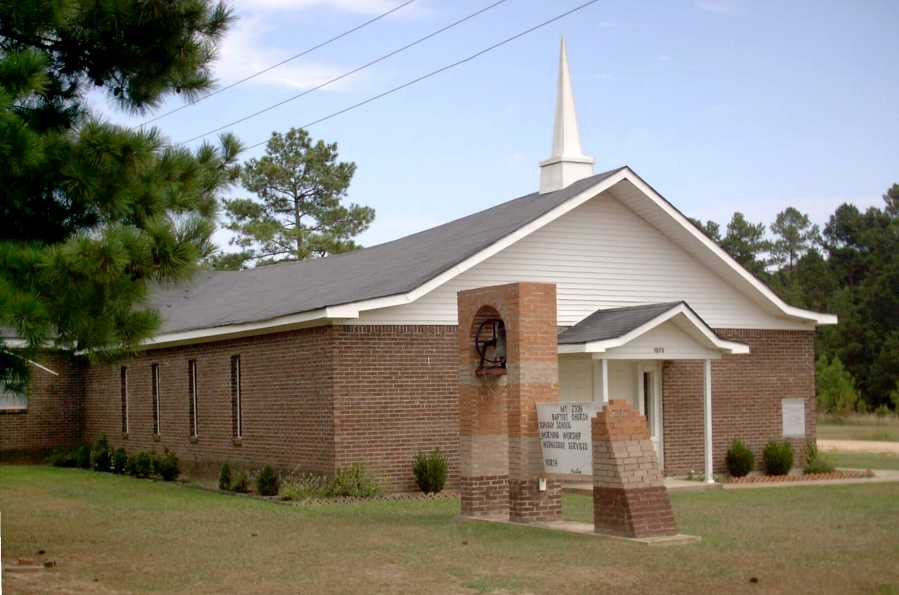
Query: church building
{"x": 354, "y": 358}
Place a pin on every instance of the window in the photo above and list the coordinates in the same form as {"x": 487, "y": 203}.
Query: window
{"x": 124, "y": 386}
{"x": 236, "y": 413}
{"x": 192, "y": 382}
{"x": 12, "y": 400}
{"x": 155, "y": 380}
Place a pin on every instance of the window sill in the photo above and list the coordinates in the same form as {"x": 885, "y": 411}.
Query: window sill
{"x": 14, "y": 411}
{"x": 237, "y": 441}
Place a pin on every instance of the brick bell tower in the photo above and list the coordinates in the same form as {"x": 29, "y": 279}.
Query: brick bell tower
{"x": 508, "y": 363}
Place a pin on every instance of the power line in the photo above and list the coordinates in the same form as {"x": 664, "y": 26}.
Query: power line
{"x": 348, "y": 73}
{"x": 441, "y": 69}
{"x": 281, "y": 63}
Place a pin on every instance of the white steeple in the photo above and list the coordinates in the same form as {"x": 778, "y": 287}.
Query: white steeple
{"x": 566, "y": 164}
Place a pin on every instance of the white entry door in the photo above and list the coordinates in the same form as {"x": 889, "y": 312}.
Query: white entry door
{"x": 649, "y": 398}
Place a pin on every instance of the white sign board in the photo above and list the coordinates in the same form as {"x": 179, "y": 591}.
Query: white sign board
{"x": 793, "y": 411}
{"x": 565, "y": 436}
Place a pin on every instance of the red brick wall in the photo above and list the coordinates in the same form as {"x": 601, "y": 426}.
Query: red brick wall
{"x": 746, "y": 397}
{"x": 395, "y": 394}
{"x": 286, "y": 381}
{"x": 53, "y": 415}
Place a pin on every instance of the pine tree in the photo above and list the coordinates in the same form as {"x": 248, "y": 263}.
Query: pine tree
{"x": 92, "y": 214}
{"x": 746, "y": 243}
{"x": 794, "y": 236}
{"x": 299, "y": 214}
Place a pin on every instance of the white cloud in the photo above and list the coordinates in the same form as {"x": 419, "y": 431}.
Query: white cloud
{"x": 243, "y": 52}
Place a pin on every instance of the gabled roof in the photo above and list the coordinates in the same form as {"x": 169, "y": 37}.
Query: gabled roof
{"x": 399, "y": 272}
{"x": 213, "y": 299}
{"x": 613, "y": 322}
{"x": 614, "y": 327}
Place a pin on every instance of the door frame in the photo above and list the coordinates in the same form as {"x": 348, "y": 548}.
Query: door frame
{"x": 657, "y": 425}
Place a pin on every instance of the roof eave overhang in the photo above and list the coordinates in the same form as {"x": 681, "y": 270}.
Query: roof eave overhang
{"x": 712, "y": 341}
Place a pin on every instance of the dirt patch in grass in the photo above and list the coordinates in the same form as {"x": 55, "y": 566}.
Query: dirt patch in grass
{"x": 800, "y": 477}
{"x": 137, "y": 536}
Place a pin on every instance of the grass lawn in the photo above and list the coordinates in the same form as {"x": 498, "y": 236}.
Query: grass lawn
{"x": 859, "y": 427}
{"x": 112, "y": 534}
{"x": 862, "y": 460}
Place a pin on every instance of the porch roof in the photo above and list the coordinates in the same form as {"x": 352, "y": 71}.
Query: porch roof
{"x": 615, "y": 327}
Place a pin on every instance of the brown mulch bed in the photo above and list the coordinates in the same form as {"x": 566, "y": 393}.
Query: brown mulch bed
{"x": 810, "y": 477}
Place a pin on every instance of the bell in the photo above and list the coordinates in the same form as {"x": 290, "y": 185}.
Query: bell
{"x": 499, "y": 331}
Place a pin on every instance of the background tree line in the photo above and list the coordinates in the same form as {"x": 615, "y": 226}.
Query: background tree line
{"x": 851, "y": 269}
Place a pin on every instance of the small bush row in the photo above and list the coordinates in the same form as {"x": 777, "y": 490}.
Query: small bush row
{"x": 777, "y": 459}
{"x": 101, "y": 457}
{"x": 353, "y": 481}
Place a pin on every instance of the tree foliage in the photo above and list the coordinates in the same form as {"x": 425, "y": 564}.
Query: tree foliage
{"x": 299, "y": 214}
{"x": 747, "y": 243}
{"x": 851, "y": 269}
{"x": 91, "y": 213}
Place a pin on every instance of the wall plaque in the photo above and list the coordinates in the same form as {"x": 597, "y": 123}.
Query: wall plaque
{"x": 793, "y": 411}
{"x": 565, "y": 436}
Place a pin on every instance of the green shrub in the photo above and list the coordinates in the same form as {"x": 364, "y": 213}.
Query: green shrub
{"x": 430, "y": 471}
{"x": 101, "y": 455}
{"x": 61, "y": 457}
{"x": 739, "y": 459}
{"x": 167, "y": 466}
{"x": 83, "y": 457}
{"x": 814, "y": 462}
{"x": 267, "y": 482}
{"x": 241, "y": 483}
{"x": 882, "y": 410}
{"x": 120, "y": 461}
{"x": 300, "y": 487}
{"x": 353, "y": 481}
{"x": 778, "y": 458}
{"x": 225, "y": 477}
{"x": 140, "y": 465}
{"x": 835, "y": 387}
{"x": 862, "y": 407}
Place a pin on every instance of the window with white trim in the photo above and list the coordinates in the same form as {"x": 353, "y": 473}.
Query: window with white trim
{"x": 236, "y": 412}
{"x": 12, "y": 400}
{"x": 192, "y": 383}
{"x": 155, "y": 380}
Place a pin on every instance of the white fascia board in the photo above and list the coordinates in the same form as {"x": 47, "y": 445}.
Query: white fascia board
{"x": 220, "y": 333}
{"x": 714, "y": 340}
{"x": 818, "y": 318}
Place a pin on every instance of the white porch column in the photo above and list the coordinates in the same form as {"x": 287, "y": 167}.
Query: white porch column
{"x": 707, "y": 410}
{"x": 604, "y": 364}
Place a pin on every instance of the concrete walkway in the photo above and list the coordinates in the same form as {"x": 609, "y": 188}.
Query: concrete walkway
{"x": 859, "y": 446}
{"x": 683, "y": 485}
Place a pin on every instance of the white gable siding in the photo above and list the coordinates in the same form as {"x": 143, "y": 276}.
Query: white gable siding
{"x": 667, "y": 336}
{"x": 600, "y": 255}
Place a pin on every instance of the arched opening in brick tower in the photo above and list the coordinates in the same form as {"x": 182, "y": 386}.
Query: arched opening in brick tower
{"x": 483, "y": 411}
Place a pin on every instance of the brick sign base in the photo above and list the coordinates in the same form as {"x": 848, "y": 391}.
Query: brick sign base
{"x": 629, "y": 496}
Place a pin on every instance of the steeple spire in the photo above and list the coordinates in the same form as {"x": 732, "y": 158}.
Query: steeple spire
{"x": 567, "y": 164}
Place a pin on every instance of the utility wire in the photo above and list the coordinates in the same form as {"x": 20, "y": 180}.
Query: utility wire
{"x": 281, "y": 63}
{"x": 442, "y": 69}
{"x": 348, "y": 73}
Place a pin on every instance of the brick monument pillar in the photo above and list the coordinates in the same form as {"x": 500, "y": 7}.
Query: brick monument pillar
{"x": 501, "y": 457}
{"x": 629, "y": 495}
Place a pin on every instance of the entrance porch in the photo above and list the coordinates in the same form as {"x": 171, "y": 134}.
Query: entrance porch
{"x": 619, "y": 354}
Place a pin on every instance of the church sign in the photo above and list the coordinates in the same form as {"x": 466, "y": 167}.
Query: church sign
{"x": 565, "y": 437}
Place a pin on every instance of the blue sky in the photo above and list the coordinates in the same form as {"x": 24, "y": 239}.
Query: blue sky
{"x": 721, "y": 105}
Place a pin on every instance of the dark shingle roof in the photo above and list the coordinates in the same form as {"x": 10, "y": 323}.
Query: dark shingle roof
{"x": 214, "y": 299}
{"x": 613, "y": 322}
